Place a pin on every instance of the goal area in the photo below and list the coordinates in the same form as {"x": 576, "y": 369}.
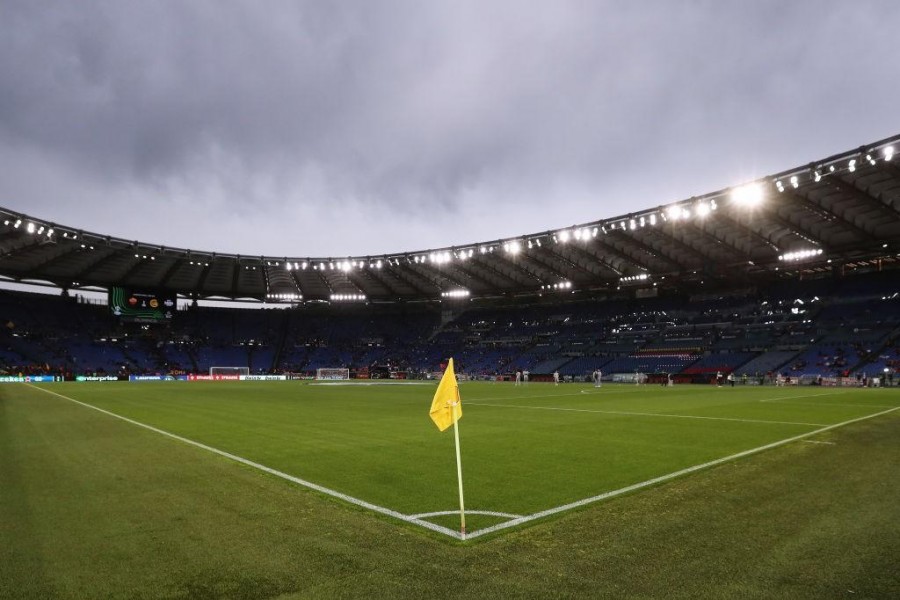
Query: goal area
{"x": 332, "y": 374}
{"x": 229, "y": 371}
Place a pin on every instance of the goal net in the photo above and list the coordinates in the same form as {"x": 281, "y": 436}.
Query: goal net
{"x": 332, "y": 373}
{"x": 229, "y": 371}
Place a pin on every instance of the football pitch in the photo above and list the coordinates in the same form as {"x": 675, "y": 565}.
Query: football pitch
{"x": 530, "y": 453}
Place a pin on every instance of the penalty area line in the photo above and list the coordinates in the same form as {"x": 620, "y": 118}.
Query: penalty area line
{"x": 239, "y": 459}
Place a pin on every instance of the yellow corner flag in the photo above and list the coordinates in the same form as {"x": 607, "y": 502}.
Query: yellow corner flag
{"x": 446, "y": 408}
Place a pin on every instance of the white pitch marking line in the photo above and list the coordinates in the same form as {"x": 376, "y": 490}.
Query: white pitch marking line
{"x": 444, "y": 530}
{"x": 644, "y": 414}
{"x": 523, "y": 397}
{"x": 271, "y": 471}
{"x": 780, "y": 398}
{"x": 489, "y": 513}
{"x": 667, "y": 477}
{"x": 818, "y": 442}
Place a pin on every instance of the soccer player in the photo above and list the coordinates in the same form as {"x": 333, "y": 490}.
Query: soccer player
{"x": 555, "y": 377}
{"x": 518, "y": 377}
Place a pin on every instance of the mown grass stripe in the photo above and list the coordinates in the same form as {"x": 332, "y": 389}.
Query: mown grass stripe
{"x": 645, "y": 414}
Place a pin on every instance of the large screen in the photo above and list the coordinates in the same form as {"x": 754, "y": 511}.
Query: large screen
{"x": 142, "y": 306}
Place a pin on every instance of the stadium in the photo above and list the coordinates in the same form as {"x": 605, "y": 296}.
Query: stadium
{"x": 162, "y": 440}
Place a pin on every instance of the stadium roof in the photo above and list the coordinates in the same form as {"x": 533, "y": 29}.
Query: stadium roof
{"x": 841, "y": 211}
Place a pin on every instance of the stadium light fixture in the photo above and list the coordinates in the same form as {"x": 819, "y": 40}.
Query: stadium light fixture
{"x": 749, "y": 195}
{"x": 461, "y": 293}
{"x": 513, "y": 247}
{"x": 800, "y": 254}
{"x": 675, "y": 212}
{"x": 852, "y": 165}
{"x": 888, "y": 153}
{"x": 559, "y": 286}
{"x": 779, "y": 186}
{"x": 563, "y": 236}
{"x": 348, "y": 297}
{"x": 634, "y": 278}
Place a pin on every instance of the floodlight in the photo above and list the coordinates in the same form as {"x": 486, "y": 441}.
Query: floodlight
{"x": 795, "y": 182}
{"x": 513, "y": 247}
{"x": 750, "y": 194}
{"x": 564, "y": 236}
{"x": 779, "y": 185}
{"x": 30, "y": 228}
{"x": 632, "y": 225}
{"x": 817, "y": 176}
{"x": 852, "y": 165}
{"x": 888, "y": 153}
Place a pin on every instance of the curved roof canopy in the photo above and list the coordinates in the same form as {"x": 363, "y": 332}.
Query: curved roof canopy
{"x": 841, "y": 210}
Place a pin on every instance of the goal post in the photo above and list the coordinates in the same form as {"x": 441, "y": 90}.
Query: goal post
{"x": 229, "y": 371}
{"x": 332, "y": 373}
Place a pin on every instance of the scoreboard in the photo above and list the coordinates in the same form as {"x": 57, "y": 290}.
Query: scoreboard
{"x": 142, "y": 306}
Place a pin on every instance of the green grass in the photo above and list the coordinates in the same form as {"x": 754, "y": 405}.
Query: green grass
{"x": 92, "y": 506}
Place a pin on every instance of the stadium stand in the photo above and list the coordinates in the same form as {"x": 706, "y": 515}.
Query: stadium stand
{"x": 837, "y": 328}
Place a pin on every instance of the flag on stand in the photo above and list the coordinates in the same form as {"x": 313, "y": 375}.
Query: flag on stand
{"x": 445, "y": 407}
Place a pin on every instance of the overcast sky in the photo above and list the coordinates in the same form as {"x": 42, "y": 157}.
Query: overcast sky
{"x": 362, "y": 127}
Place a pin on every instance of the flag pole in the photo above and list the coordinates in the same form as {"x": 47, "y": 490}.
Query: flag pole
{"x": 462, "y": 509}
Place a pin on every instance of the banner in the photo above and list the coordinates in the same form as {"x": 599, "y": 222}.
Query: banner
{"x": 28, "y": 378}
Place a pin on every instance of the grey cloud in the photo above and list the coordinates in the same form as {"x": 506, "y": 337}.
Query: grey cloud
{"x": 318, "y": 128}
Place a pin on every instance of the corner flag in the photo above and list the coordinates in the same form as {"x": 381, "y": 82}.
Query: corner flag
{"x": 446, "y": 408}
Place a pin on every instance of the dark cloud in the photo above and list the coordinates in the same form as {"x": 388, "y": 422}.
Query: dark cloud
{"x": 304, "y": 128}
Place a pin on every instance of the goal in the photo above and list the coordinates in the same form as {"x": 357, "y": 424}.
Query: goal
{"x": 332, "y": 373}
{"x": 228, "y": 371}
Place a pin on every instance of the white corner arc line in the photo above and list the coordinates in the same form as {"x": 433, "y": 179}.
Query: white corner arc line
{"x": 302, "y": 482}
{"x": 646, "y": 414}
{"x": 489, "y": 513}
{"x": 667, "y": 477}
